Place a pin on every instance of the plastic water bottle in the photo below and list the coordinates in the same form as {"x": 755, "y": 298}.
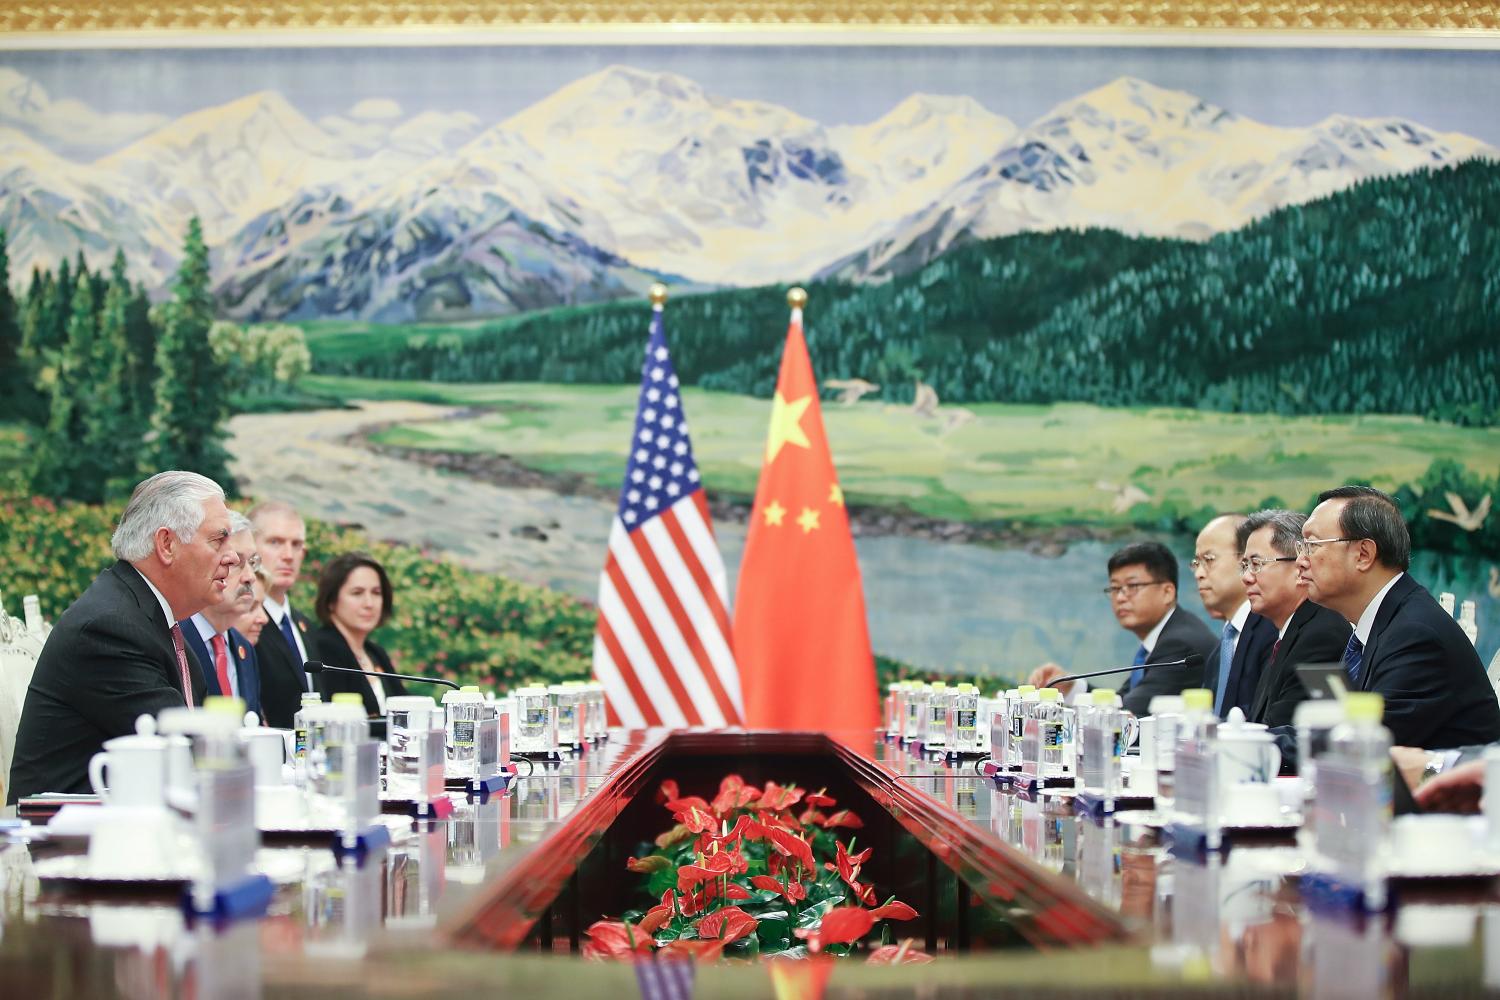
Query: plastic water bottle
{"x": 299, "y": 736}
{"x": 1018, "y": 721}
{"x": 1052, "y": 725}
{"x": 916, "y": 712}
{"x": 939, "y": 705}
{"x": 963, "y": 721}
{"x": 1466, "y": 621}
{"x": 1361, "y": 742}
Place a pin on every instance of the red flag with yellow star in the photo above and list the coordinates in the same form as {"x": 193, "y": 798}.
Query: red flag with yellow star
{"x": 800, "y": 635}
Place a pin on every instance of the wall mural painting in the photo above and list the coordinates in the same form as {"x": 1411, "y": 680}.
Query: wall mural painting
{"x": 1059, "y": 296}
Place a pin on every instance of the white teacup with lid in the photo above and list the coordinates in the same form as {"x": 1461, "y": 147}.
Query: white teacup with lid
{"x": 136, "y": 766}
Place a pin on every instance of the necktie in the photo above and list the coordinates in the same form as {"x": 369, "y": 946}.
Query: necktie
{"x": 1138, "y": 673}
{"x": 1275, "y": 648}
{"x": 221, "y": 664}
{"x": 1226, "y": 660}
{"x": 291, "y": 643}
{"x": 1353, "y": 657}
{"x": 182, "y": 667}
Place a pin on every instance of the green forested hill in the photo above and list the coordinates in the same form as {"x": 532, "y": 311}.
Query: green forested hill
{"x": 1381, "y": 298}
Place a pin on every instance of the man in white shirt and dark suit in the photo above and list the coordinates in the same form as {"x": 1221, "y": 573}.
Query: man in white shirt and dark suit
{"x": 281, "y": 541}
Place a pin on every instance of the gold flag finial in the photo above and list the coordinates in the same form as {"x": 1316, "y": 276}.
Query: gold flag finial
{"x": 796, "y": 297}
{"x": 658, "y": 294}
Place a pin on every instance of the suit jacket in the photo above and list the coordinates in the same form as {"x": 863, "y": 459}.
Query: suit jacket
{"x": 1437, "y": 695}
{"x": 329, "y": 645}
{"x": 1183, "y": 635}
{"x": 282, "y": 679}
{"x": 1314, "y": 634}
{"x": 241, "y": 659}
{"x": 108, "y": 660}
{"x": 1250, "y": 655}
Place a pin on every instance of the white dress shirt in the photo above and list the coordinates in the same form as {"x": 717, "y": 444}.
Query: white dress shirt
{"x": 206, "y": 633}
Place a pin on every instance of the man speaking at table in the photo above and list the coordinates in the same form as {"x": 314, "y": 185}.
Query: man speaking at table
{"x": 117, "y": 652}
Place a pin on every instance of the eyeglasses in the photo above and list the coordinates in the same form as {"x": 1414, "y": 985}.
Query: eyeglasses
{"x": 1305, "y": 546}
{"x": 1255, "y": 564}
{"x": 1206, "y": 560}
{"x": 1128, "y": 589}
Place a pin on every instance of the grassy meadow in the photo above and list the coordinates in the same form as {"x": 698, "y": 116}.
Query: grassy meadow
{"x": 1041, "y": 464}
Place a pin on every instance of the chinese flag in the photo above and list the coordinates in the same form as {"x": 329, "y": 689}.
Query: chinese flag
{"x": 800, "y": 635}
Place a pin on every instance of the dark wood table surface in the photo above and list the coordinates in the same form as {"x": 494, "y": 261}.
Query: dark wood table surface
{"x": 470, "y": 902}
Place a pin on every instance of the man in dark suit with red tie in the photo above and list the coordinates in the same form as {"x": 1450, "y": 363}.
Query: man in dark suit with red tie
{"x": 1353, "y": 556}
{"x": 225, "y": 658}
{"x": 117, "y": 652}
{"x": 281, "y": 540}
{"x": 1306, "y": 632}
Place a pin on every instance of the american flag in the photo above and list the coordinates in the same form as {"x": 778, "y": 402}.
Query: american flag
{"x": 662, "y": 647}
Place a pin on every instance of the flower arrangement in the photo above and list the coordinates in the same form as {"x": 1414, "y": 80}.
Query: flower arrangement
{"x": 755, "y": 872}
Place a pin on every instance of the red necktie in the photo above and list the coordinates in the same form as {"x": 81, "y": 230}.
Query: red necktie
{"x": 221, "y": 664}
{"x": 1275, "y": 646}
{"x": 182, "y": 667}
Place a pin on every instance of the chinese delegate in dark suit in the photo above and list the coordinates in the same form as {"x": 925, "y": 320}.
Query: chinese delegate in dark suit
{"x": 328, "y": 645}
{"x": 1250, "y": 655}
{"x": 247, "y": 671}
{"x": 1183, "y": 635}
{"x": 109, "y": 659}
{"x": 282, "y": 679}
{"x": 1436, "y": 693}
{"x": 1314, "y": 634}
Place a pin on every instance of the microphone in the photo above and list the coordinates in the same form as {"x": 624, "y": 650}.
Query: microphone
{"x": 314, "y": 667}
{"x": 1190, "y": 660}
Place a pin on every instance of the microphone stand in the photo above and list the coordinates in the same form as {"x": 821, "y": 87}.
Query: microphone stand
{"x": 1186, "y": 661}
{"x": 314, "y": 667}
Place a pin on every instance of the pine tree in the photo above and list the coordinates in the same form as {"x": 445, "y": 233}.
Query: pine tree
{"x": 62, "y": 466}
{"x": 114, "y": 431}
{"x": 11, "y": 378}
{"x": 191, "y": 405}
{"x": 140, "y": 346}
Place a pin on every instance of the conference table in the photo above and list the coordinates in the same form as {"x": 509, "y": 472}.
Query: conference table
{"x": 1014, "y": 891}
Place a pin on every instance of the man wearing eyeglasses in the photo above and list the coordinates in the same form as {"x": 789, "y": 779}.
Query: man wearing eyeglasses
{"x": 1233, "y": 667}
{"x": 1353, "y": 557}
{"x": 1305, "y": 632}
{"x": 1142, "y": 592}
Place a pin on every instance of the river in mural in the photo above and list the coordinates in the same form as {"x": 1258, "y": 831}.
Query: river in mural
{"x": 946, "y": 606}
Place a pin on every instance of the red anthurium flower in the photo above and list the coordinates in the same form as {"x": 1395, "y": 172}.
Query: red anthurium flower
{"x": 898, "y": 954}
{"x": 779, "y": 796}
{"x": 690, "y": 875}
{"x": 841, "y": 925}
{"x": 667, "y": 792}
{"x": 819, "y": 799}
{"x": 687, "y": 802}
{"x": 650, "y": 863}
{"x": 792, "y": 846}
{"x": 744, "y": 828}
{"x": 726, "y": 863}
{"x": 894, "y": 910}
{"x": 726, "y": 925}
{"x": 656, "y": 918}
{"x": 846, "y": 864}
{"x": 611, "y": 939}
{"x": 734, "y": 794}
{"x": 698, "y": 820}
{"x": 810, "y": 816}
{"x": 843, "y": 817}
{"x": 792, "y": 890}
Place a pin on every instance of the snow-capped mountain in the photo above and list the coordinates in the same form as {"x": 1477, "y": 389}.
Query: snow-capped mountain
{"x": 627, "y": 174}
{"x": 1149, "y": 161}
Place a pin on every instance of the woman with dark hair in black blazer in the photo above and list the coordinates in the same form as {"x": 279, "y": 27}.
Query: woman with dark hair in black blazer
{"x": 354, "y": 599}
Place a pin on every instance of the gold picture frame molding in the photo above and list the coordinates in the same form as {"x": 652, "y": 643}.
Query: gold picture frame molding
{"x": 24, "y": 23}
